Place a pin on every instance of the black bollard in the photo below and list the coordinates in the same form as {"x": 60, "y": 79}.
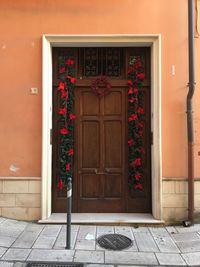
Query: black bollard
{"x": 69, "y": 211}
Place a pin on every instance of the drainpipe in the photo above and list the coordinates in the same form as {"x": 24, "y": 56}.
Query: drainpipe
{"x": 190, "y": 131}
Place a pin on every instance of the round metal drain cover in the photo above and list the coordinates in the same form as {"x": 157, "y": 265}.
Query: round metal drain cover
{"x": 114, "y": 242}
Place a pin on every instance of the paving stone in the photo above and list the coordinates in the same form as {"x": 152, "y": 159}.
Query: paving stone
{"x": 6, "y": 264}
{"x": 2, "y": 219}
{"x": 186, "y": 237}
{"x": 190, "y": 246}
{"x": 89, "y": 256}
{"x": 85, "y": 231}
{"x": 121, "y": 257}
{"x": 16, "y": 254}
{"x": 163, "y": 240}
{"x": 2, "y": 251}
{"x": 145, "y": 242}
{"x": 103, "y": 230}
{"x": 192, "y": 258}
{"x": 85, "y": 244}
{"x": 101, "y": 265}
{"x": 28, "y": 237}
{"x": 20, "y": 264}
{"x": 140, "y": 229}
{"x": 170, "y": 259}
{"x": 171, "y": 229}
{"x": 126, "y": 231}
{"x": 61, "y": 239}
{"x": 51, "y": 255}
{"x": 193, "y": 228}
{"x": 47, "y": 237}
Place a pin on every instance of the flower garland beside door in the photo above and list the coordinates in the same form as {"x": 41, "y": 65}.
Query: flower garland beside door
{"x": 136, "y": 115}
{"x": 66, "y": 119}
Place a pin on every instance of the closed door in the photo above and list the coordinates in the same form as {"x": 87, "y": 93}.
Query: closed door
{"x": 100, "y": 171}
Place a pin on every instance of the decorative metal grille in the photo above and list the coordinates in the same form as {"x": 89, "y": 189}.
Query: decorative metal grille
{"x": 100, "y": 61}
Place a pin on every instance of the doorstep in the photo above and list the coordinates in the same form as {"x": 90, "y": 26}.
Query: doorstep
{"x": 104, "y": 218}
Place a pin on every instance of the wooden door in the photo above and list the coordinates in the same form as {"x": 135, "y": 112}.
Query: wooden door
{"x": 100, "y": 176}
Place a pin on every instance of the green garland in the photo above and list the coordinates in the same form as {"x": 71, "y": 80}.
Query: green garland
{"x": 66, "y": 119}
{"x": 136, "y": 115}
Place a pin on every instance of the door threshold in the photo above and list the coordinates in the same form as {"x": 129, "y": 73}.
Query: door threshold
{"x": 104, "y": 218}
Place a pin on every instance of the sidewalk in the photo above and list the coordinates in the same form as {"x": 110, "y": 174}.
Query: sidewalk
{"x": 152, "y": 246}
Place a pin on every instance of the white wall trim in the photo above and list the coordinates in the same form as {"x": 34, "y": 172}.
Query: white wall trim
{"x": 117, "y": 40}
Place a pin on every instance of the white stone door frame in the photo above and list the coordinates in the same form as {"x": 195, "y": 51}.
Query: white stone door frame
{"x": 115, "y": 40}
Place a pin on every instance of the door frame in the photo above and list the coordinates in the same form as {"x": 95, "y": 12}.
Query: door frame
{"x": 117, "y": 40}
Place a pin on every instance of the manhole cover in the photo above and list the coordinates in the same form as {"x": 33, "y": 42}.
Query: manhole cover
{"x": 52, "y": 264}
{"x": 114, "y": 241}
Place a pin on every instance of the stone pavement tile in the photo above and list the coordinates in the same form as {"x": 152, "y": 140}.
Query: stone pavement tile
{"x": 140, "y": 229}
{"x": 190, "y": 246}
{"x": 16, "y": 254}
{"x": 89, "y": 256}
{"x": 104, "y": 230}
{"x": 28, "y": 237}
{"x": 51, "y": 255}
{"x": 100, "y": 265}
{"x": 145, "y": 242}
{"x": 132, "y": 266}
{"x": 87, "y": 231}
{"x": 192, "y": 258}
{"x": 122, "y": 230}
{"x": 163, "y": 240}
{"x": 61, "y": 239}
{"x": 2, "y": 219}
{"x": 171, "y": 229}
{"x": 47, "y": 237}
{"x": 19, "y": 264}
{"x": 6, "y": 264}
{"x": 193, "y": 228}
{"x": 2, "y": 251}
{"x": 186, "y": 237}
{"x": 85, "y": 244}
{"x": 121, "y": 257}
{"x": 170, "y": 259}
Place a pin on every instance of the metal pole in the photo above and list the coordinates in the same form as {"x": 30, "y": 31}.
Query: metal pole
{"x": 69, "y": 211}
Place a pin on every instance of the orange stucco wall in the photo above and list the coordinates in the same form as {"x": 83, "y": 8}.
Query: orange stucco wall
{"x": 22, "y": 24}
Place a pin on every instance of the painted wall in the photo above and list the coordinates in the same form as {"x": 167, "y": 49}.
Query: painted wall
{"x": 22, "y": 24}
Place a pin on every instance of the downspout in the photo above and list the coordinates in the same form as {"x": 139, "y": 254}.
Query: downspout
{"x": 190, "y": 131}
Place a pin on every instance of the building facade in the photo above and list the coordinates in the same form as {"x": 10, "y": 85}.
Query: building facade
{"x": 96, "y": 91}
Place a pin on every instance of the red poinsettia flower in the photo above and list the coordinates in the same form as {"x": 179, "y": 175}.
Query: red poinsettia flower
{"x": 140, "y": 76}
{"x": 62, "y": 70}
{"x": 132, "y": 100}
{"x": 138, "y": 176}
{"x": 137, "y": 162}
{"x": 142, "y": 150}
{"x": 61, "y": 86}
{"x": 62, "y": 111}
{"x": 138, "y": 186}
{"x": 133, "y": 117}
{"x": 135, "y": 90}
{"x": 67, "y": 167}
{"x": 130, "y": 142}
{"x": 140, "y": 133}
{"x": 70, "y": 62}
{"x": 140, "y": 124}
{"x": 64, "y": 131}
{"x": 130, "y": 82}
{"x": 130, "y": 91}
{"x": 71, "y": 152}
{"x": 72, "y": 116}
{"x": 140, "y": 110}
{"x": 64, "y": 94}
{"x": 60, "y": 184}
{"x": 72, "y": 79}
